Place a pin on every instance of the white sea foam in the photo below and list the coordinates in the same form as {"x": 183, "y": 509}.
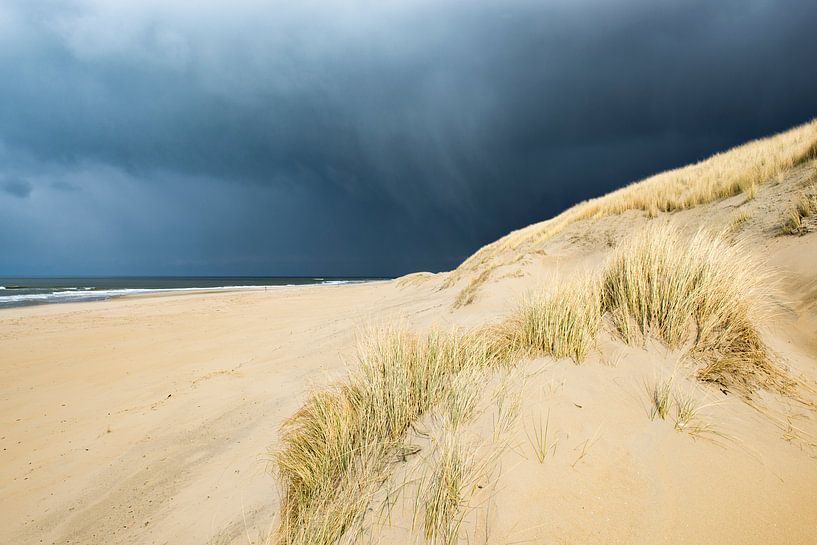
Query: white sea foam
{"x": 90, "y": 294}
{"x": 61, "y": 296}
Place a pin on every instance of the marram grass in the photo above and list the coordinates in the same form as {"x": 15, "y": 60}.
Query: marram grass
{"x": 699, "y": 290}
{"x": 342, "y": 437}
{"x": 560, "y": 324}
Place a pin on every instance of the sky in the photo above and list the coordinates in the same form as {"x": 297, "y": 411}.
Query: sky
{"x": 360, "y": 137}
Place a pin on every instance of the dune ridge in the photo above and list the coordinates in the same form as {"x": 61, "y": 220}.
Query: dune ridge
{"x": 740, "y": 170}
{"x": 704, "y": 295}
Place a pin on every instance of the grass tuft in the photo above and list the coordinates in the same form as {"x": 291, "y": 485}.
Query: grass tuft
{"x": 687, "y": 410}
{"x": 738, "y": 219}
{"x": 345, "y": 433}
{"x": 563, "y": 323}
{"x": 444, "y": 493}
{"x": 805, "y": 207}
{"x": 702, "y": 290}
{"x": 539, "y": 439}
{"x": 660, "y": 398}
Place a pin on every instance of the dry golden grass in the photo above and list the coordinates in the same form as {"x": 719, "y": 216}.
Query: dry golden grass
{"x": 701, "y": 290}
{"x": 740, "y": 170}
{"x": 792, "y": 222}
{"x": 460, "y": 399}
{"x": 687, "y": 415}
{"x": 738, "y": 219}
{"x": 508, "y": 400}
{"x": 443, "y": 494}
{"x": 344, "y": 434}
{"x": 805, "y": 207}
{"x": 660, "y": 399}
{"x": 468, "y": 293}
{"x": 664, "y": 395}
{"x": 563, "y": 323}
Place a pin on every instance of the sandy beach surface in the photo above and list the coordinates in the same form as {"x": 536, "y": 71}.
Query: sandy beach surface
{"x": 147, "y": 419}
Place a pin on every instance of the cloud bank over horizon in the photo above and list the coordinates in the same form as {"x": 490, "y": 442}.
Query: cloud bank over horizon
{"x": 360, "y": 137}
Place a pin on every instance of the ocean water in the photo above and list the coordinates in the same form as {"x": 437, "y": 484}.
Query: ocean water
{"x": 22, "y": 291}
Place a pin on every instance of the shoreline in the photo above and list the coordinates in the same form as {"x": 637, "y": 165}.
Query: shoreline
{"x": 130, "y": 293}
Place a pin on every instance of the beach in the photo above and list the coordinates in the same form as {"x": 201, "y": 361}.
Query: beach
{"x": 146, "y": 419}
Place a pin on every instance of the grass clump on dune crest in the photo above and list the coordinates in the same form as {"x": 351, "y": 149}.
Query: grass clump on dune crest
{"x": 701, "y": 291}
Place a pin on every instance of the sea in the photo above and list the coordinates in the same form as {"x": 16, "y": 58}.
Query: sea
{"x": 23, "y": 291}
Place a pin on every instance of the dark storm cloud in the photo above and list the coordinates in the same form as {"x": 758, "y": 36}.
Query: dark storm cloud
{"x": 362, "y": 137}
{"x": 16, "y": 188}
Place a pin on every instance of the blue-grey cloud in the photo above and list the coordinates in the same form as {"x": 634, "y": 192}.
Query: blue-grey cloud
{"x": 362, "y": 137}
{"x": 16, "y": 188}
{"x": 62, "y": 185}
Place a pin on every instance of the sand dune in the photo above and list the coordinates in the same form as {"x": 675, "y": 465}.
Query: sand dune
{"x": 150, "y": 419}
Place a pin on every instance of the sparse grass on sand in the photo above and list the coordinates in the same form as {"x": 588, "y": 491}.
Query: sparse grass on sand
{"x": 740, "y": 170}
{"x": 340, "y": 440}
{"x": 665, "y": 394}
{"x": 687, "y": 410}
{"x": 698, "y": 293}
{"x": 540, "y": 440}
{"x": 805, "y": 207}
{"x": 660, "y": 396}
{"x": 738, "y": 219}
{"x": 443, "y": 494}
